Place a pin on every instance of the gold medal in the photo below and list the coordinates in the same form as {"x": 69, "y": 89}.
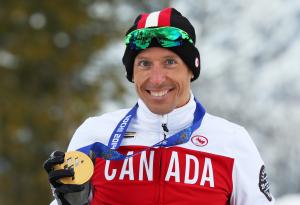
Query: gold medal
{"x": 81, "y": 164}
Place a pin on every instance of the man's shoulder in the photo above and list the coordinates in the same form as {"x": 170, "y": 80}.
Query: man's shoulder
{"x": 230, "y": 135}
{"x": 212, "y": 122}
{"x": 108, "y": 117}
{"x": 96, "y": 129}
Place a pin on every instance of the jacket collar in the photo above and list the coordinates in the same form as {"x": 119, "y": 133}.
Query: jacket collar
{"x": 176, "y": 120}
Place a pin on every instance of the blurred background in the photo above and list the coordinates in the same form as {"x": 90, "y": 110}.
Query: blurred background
{"x": 60, "y": 62}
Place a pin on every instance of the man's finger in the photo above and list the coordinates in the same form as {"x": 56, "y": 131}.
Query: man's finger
{"x": 58, "y": 174}
{"x": 57, "y": 157}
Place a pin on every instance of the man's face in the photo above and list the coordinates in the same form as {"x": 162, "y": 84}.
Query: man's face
{"x": 162, "y": 79}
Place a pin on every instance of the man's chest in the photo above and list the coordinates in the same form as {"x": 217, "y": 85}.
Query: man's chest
{"x": 158, "y": 173}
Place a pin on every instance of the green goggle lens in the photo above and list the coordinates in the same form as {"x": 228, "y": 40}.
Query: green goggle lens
{"x": 166, "y": 36}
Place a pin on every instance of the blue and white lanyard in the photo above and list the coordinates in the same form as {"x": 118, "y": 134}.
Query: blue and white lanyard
{"x": 110, "y": 153}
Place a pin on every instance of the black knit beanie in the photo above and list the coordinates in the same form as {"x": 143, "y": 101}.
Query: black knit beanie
{"x": 166, "y": 17}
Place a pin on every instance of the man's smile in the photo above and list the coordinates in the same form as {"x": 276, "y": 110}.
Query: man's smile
{"x": 159, "y": 93}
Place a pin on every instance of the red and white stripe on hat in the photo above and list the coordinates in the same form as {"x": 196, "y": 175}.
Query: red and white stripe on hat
{"x": 155, "y": 19}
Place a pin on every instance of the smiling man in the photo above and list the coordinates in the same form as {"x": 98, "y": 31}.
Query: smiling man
{"x": 166, "y": 149}
{"x": 162, "y": 80}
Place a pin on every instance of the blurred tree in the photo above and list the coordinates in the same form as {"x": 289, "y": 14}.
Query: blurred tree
{"x": 45, "y": 47}
{"x": 151, "y": 5}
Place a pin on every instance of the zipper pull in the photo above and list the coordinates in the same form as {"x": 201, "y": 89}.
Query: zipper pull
{"x": 165, "y": 128}
{"x": 164, "y": 125}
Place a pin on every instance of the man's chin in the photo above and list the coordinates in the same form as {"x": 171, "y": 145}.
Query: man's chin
{"x": 160, "y": 105}
{"x": 160, "y": 109}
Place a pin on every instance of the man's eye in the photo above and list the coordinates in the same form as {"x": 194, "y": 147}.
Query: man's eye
{"x": 144, "y": 63}
{"x": 170, "y": 61}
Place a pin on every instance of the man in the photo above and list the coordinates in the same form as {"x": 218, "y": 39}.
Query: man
{"x": 166, "y": 149}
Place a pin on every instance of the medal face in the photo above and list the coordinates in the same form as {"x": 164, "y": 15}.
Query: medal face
{"x": 81, "y": 164}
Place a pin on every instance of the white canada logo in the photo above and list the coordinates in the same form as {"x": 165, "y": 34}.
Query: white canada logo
{"x": 199, "y": 140}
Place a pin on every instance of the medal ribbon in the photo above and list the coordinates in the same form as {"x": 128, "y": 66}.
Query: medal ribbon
{"x": 109, "y": 151}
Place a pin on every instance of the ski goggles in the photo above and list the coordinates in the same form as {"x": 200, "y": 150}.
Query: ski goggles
{"x": 166, "y": 36}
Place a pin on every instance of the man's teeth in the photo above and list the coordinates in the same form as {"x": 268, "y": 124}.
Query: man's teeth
{"x": 159, "y": 93}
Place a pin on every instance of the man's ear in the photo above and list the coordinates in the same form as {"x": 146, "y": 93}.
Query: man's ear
{"x": 132, "y": 79}
{"x": 192, "y": 74}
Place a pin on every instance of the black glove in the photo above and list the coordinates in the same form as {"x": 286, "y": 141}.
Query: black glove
{"x": 64, "y": 193}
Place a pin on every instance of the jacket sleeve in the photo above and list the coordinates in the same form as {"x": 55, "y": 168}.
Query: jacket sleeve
{"x": 250, "y": 181}
{"x": 82, "y": 137}
{"x": 54, "y": 202}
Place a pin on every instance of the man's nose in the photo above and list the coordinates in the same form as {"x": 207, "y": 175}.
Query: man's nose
{"x": 157, "y": 75}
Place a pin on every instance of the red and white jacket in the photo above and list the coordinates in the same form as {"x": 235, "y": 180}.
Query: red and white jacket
{"x": 219, "y": 165}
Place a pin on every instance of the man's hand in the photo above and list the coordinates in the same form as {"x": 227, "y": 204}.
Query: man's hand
{"x": 65, "y": 193}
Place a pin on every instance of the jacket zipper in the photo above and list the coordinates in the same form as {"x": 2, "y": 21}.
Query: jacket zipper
{"x": 159, "y": 182}
{"x": 161, "y": 151}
